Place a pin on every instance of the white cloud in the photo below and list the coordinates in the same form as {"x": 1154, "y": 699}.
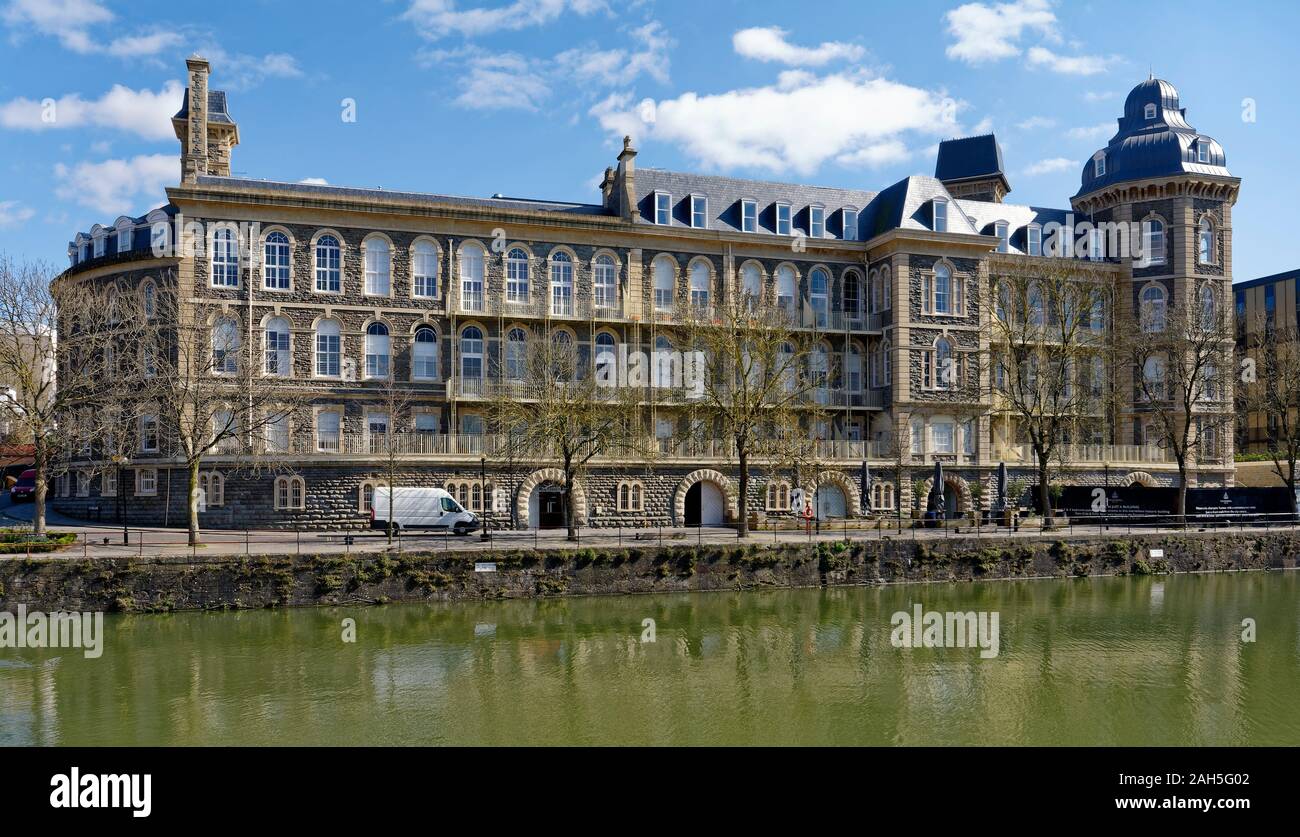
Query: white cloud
{"x": 873, "y": 156}
{"x": 71, "y": 22}
{"x": 239, "y": 71}
{"x": 797, "y": 124}
{"x": 497, "y": 82}
{"x": 13, "y": 213}
{"x": 118, "y": 187}
{"x": 990, "y": 32}
{"x": 435, "y": 19}
{"x": 984, "y": 126}
{"x": 1091, "y": 132}
{"x": 1048, "y": 166}
{"x": 612, "y": 67}
{"x": 770, "y": 44}
{"x": 1073, "y": 65}
{"x": 141, "y": 112}
{"x": 1091, "y": 96}
{"x": 1033, "y": 123}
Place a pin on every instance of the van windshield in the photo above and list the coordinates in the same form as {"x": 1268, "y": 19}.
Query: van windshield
{"x": 449, "y": 505}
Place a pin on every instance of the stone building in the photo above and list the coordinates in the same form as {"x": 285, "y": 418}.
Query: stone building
{"x": 341, "y": 287}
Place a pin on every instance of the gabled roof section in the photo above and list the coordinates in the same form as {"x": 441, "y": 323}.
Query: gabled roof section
{"x": 909, "y": 205}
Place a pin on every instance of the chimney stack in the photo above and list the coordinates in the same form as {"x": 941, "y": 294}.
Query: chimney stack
{"x": 194, "y": 143}
{"x": 627, "y": 182}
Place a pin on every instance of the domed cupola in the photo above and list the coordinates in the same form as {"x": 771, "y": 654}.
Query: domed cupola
{"x": 1154, "y": 140}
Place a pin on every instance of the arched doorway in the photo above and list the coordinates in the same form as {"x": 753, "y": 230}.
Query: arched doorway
{"x": 830, "y": 502}
{"x": 546, "y": 507}
{"x": 704, "y": 504}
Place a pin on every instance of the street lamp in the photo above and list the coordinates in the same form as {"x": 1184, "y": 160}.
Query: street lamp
{"x": 483, "y": 496}
{"x": 121, "y": 462}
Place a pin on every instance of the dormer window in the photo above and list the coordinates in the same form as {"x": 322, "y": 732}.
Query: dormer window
{"x": 124, "y": 236}
{"x": 663, "y": 208}
{"x": 850, "y": 224}
{"x": 1099, "y": 165}
{"x": 1000, "y": 230}
{"x": 940, "y": 215}
{"x": 817, "y": 222}
{"x": 783, "y": 219}
{"x": 1150, "y": 112}
{"x": 749, "y": 216}
{"x": 1202, "y": 151}
{"x": 99, "y": 246}
{"x": 1034, "y": 240}
{"x": 699, "y": 212}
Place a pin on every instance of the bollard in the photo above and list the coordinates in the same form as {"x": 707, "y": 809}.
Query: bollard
{"x": 298, "y": 537}
{"x": 246, "y": 542}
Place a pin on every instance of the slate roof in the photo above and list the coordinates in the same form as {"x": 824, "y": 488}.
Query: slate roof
{"x": 1143, "y": 148}
{"x": 969, "y": 158}
{"x": 217, "y": 111}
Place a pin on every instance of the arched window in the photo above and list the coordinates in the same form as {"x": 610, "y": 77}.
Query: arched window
{"x": 699, "y": 285}
{"x": 886, "y": 359}
{"x": 942, "y": 289}
{"x": 424, "y": 270}
{"x": 1035, "y": 305}
{"x": 517, "y": 275}
{"x": 329, "y": 345}
{"x": 516, "y": 352}
{"x": 275, "y": 262}
{"x": 563, "y": 358}
{"x": 629, "y": 496}
{"x": 818, "y": 372}
{"x": 225, "y": 259}
{"x": 778, "y": 496}
{"x": 886, "y": 290}
{"x": 751, "y": 284}
{"x": 278, "y": 359}
{"x": 471, "y": 277}
{"x": 1153, "y": 309}
{"x": 561, "y": 284}
{"x": 329, "y": 265}
{"x": 213, "y": 486}
{"x": 1153, "y": 376}
{"x": 377, "y": 351}
{"x": 289, "y": 493}
{"x": 819, "y": 285}
{"x": 1209, "y": 309}
{"x": 785, "y": 287}
{"x": 378, "y": 266}
{"x": 853, "y": 369}
{"x": 424, "y": 354}
{"x": 1149, "y": 112}
{"x": 225, "y": 347}
{"x": 471, "y": 359}
{"x": 1205, "y": 239}
{"x": 853, "y": 295}
{"x": 150, "y": 294}
{"x": 945, "y": 365}
{"x": 603, "y": 287}
{"x": 665, "y": 276}
{"x": 1154, "y": 233}
{"x": 605, "y": 357}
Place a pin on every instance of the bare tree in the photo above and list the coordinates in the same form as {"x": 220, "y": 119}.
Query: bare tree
{"x": 762, "y": 389}
{"x": 1269, "y": 393}
{"x": 552, "y": 406}
{"x": 48, "y": 375}
{"x": 1047, "y": 326}
{"x": 389, "y": 444}
{"x": 1179, "y": 356}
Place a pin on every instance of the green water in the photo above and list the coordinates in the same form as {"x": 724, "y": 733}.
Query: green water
{"x": 1087, "y": 661}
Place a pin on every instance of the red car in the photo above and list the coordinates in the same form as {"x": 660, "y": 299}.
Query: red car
{"x": 25, "y": 488}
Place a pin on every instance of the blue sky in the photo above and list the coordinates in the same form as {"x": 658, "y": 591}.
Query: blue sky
{"x": 529, "y": 97}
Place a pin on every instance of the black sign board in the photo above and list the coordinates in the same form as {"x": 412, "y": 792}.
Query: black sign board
{"x": 1135, "y": 504}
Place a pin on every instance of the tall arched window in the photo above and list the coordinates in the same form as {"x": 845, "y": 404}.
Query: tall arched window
{"x": 378, "y": 266}
{"x": 150, "y": 293}
{"x": 517, "y": 275}
{"x": 561, "y": 284}
{"x": 751, "y": 284}
{"x": 605, "y": 294}
{"x": 1153, "y": 374}
{"x": 853, "y": 295}
{"x": 785, "y": 287}
{"x": 278, "y": 359}
{"x": 665, "y": 276}
{"x": 516, "y": 354}
{"x": 329, "y": 260}
{"x": 819, "y": 282}
{"x": 471, "y": 360}
{"x": 886, "y": 290}
{"x": 853, "y": 369}
{"x": 1209, "y": 309}
{"x": 886, "y": 359}
{"x": 329, "y": 345}
{"x": 424, "y": 354}
{"x": 225, "y": 259}
{"x": 471, "y": 278}
{"x": 424, "y": 270}
{"x": 699, "y": 285}
{"x": 1153, "y": 309}
{"x": 605, "y": 357}
{"x": 225, "y": 347}
{"x": 377, "y": 351}
{"x": 818, "y": 371}
{"x": 1205, "y": 239}
{"x": 1035, "y": 305}
{"x": 1155, "y": 241}
{"x": 945, "y": 365}
{"x": 942, "y": 289}
{"x": 275, "y": 262}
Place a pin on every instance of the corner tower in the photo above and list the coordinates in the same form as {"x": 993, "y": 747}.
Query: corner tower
{"x": 203, "y": 125}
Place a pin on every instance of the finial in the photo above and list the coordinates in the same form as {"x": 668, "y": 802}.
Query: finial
{"x": 627, "y": 141}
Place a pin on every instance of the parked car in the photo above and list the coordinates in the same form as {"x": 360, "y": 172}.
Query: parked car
{"x": 421, "y": 508}
{"x": 25, "y": 488}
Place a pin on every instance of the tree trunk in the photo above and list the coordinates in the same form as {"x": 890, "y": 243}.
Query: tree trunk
{"x": 40, "y": 459}
{"x": 194, "y": 503}
{"x": 572, "y": 532}
{"x": 1044, "y": 493}
{"x": 742, "y": 505}
{"x": 1180, "y": 505}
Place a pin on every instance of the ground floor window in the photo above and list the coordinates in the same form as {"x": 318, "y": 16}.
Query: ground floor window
{"x": 778, "y": 496}
{"x": 146, "y": 482}
{"x": 882, "y": 496}
{"x": 213, "y": 486}
{"x": 290, "y": 493}
{"x": 631, "y": 496}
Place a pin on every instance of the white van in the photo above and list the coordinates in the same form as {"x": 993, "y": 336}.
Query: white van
{"x": 421, "y": 508}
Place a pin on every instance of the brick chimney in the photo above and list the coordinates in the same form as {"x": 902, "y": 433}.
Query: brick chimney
{"x": 626, "y": 182}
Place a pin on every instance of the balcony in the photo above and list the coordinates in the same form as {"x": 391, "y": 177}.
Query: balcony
{"x": 1089, "y": 454}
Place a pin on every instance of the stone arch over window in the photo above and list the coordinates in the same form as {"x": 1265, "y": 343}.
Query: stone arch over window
{"x": 426, "y": 267}
{"x": 149, "y": 298}
{"x": 328, "y": 255}
{"x": 786, "y": 282}
{"x": 290, "y": 493}
{"x": 752, "y": 279}
{"x": 630, "y": 496}
{"x": 777, "y": 496}
{"x": 424, "y": 351}
{"x": 1140, "y": 478}
{"x": 605, "y": 282}
{"x": 554, "y": 476}
{"x": 705, "y": 475}
{"x": 663, "y": 272}
{"x": 278, "y": 246}
{"x": 886, "y": 289}
{"x": 852, "y": 493}
{"x": 277, "y": 345}
{"x": 377, "y": 264}
{"x": 224, "y": 262}
{"x": 562, "y": 280}
{"x": 1153, "y": 302}
{"x": 471, "y": 274}
{"x": 1155, "y": 238}
{"x": 1206, "y": 240}
{"x": 882, "y": 496}
{"x": 954, "y": 483}
{"x": 852, "y": 288}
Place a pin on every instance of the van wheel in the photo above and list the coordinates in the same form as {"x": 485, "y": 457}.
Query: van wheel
{"x": 459, "y": 530}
